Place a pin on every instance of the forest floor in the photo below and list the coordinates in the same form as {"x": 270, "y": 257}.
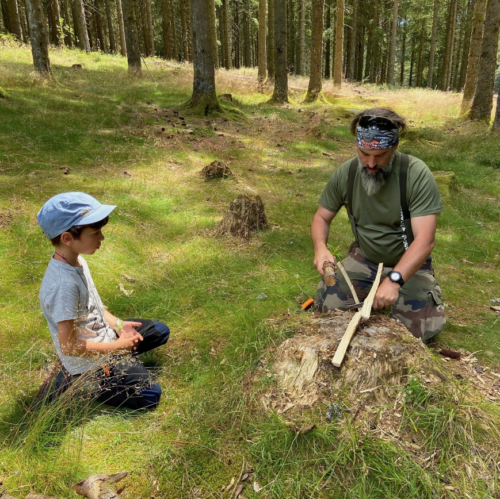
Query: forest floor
{"x": 131, "y": 143}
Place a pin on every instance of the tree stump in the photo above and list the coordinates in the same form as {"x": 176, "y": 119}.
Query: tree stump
{"x": 245, "y": 215}
{"x": 216, "y": 169}
{"x": 446, "y": 182}
{"x": 380, "y": 356}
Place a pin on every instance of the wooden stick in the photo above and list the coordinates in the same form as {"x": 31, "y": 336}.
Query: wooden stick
{"x": 346, "y": 339}
{"x": 349, "y": 283}
{"x": 367, "y": 306}
{"x": 329, "y": 270}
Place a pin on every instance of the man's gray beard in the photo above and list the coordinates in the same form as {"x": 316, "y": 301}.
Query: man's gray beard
{"x": 373, "y": 182}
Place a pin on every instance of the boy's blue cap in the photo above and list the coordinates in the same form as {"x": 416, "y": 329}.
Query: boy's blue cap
{"x": 66, "y": 210}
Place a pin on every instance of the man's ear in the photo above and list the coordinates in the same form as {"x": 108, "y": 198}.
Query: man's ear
{"x": 67, "y": 238}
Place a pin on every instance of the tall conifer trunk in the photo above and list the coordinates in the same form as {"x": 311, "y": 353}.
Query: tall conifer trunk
{"x": 204, "y": 95}
{"x": 328, "y": 25}
{"x": 474, "y": 54}
{"x": 432, "y": 53}
{"x": 316, "y": 51}
{"x": 483, "y": 98}
{"x": 262, "y": 43}
{"x": 339, "y": 44}
{"x": 14, "y": 19}
{"x": 394, "y": 34}
{"x": 226, "y": 22}
{"x": 39, "y": 37}
{"x": 302, "y": 38}
{"x": 121, "y": 27}
{"x": 111, "y": 33}
{"x": 280, "y": 95}
{"x": 270, "y": 41}
{"x": 213, "y": 31}
{"x": 354, "y": 41}
{"x": 80, "y": 25}
{"x": 132, "y": 38}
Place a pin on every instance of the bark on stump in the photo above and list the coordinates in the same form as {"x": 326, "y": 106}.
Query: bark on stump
{"x": 245, "y": 215}
{"x": 380, "y": 356}
{"x": 216, "y": 169}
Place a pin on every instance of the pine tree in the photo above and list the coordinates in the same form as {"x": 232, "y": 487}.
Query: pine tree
{"x": 39, "y": 37}
{"x": 314, "y": 89}
{"x": 280, "y": 95}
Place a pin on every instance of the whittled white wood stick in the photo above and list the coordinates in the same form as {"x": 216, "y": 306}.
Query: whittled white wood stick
{"x": 367, "y": 306}
{"x": 346, "y": 339}
{"x": 349, "y": 283}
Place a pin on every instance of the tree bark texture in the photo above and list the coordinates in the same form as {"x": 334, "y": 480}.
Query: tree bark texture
{"x": 316, "y": 51}
{"x": 226, "y": 23}
{"x": 496, "y": 122}
{"x": 111, "y": 33}
{"x": 474, "y": 54}
{"x": 483, "y": 98}
{"x": 280, "y": 95}
{"x": 38, "y": 36}
{"x": 213, "y": 31}
{"x": 327, "y": 53}
{"x": 131, "y": 38}
{"x": 119, "y": 11}
{"x": 354, "y": 40}
{"x": 302, "y": 38}
{"x": 432, "y": 53}
{"x": 55, "y": 25}
{"x": 167, "y": 46}
{"x": 5, "y": 15}
{"x": 339, "y": 44}
{"x": 68, "y": 41}
{"x": 290, "y": 36}
{"x": 394, "y": 34}
{"x": 99, "y": 25}
{"x": 247, "y": 51}
{"x": 448, "y": 49}
{"x": 262, "y": 41}
{"x": 184, "y": 29}
{"x": 403, "y": 56}
{"x": 204, "y": 95}
{"x": 466, "y": 45}
{"x": 150, "y": 27}
{"x": 14, "y": 19}
{"x": 80, "y": 25}
{"x": 270, "y": 40}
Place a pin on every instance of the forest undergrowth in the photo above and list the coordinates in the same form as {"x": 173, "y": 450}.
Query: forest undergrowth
{"x": 130, "y": 142}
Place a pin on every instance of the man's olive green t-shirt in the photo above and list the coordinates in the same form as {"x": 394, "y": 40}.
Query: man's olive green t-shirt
{"x": 378, "y": 217}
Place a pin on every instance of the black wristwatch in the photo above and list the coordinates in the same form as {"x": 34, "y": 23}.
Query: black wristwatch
{"x": 396, "y": 277}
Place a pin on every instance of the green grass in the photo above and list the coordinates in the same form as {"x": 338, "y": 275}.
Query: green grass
{"x": 98, "y": 123}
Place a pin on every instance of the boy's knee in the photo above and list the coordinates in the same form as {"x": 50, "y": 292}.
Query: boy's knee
{"x": 151, "y": 396}
{"x": 163, "y": 329}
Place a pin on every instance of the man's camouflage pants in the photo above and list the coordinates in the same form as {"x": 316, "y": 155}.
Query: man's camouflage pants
{"x": 419, "y": 306}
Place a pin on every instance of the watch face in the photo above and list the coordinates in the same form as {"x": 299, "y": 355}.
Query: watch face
{"x": 394, "y": 276}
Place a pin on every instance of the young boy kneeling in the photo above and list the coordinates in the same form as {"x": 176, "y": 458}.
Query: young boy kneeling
{"x": 87, "y": 337}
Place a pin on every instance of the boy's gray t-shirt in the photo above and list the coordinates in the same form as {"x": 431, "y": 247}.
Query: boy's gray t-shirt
{"x": 69, "y": 293}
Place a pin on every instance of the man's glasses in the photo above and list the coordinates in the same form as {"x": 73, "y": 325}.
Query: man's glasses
{"x": 378, "y": 121}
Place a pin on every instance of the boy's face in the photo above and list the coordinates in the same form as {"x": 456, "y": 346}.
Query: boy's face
{"x": 89, "y": 241}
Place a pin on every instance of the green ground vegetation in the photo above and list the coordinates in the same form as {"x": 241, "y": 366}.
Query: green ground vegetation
{"x": 98, "y": 131}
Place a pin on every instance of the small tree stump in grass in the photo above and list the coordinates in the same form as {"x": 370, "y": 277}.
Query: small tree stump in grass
{"x": 216, "y": 169}
{"x": 446, "y": 182}
{"x": 245, "y": 215}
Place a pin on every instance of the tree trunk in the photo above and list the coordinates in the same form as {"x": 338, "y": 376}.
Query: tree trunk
{"x": 142, "y": 21}
{"x": 302, "y": 38}
{"x": 291, "y": 36}
{"x": 204, "y": 95}
{"x": 262, "y": 42}
{"x": 432, "y": 53}
{"x": 111, "y": 33}
{"x": 339, "y": 44}
{"x": 403, "y": 56}
{"x": 213, "y": 31}
{"x": 247, "y": 50}
{"x": 226, "y": 23}
{"x": 80, "y": 25}
{"x": 483, "y": 98}
{"x": 448, "y": 50}
{"x": 394, "y": 34}
{"x": 39, "y": 37}
{"x": 167, "y": 46}
{"x": 270, "y": 40}
{"x": 328, "y": 25}
{"x": 132, "y": 38}
{"x": 420, "y": 60}
{"x": 361, "y": 52}
{"x": 184, "y": 29}
{"x": 466, "y": 45}
{"x": 412, "y": 60}
{"x": 190, "y": 30}
{"x": 99, "y": 25}
{"x": 5, "y": 15}
{"x": 56, "y": 28}
{"x": 474, "y": 54}
{"x": 66, "y": 26}
{"x": 14, "y": 19}
{"x": 280, "y": 95}
{"x": 150, "y": 28}
{"x": 236, "y": 36}
{"x": 316, "y": 51}
{"x": 354, "y": 40}
{"x": 123, "y": 46}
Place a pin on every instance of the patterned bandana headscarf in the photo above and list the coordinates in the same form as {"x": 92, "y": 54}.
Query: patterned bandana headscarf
{"x": 377, "y": 133}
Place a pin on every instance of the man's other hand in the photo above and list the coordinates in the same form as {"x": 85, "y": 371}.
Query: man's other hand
{"x": 321, "y": 257}
{"x": 387, "y": 295}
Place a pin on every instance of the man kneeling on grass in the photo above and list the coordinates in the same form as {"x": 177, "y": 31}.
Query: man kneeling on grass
{"x": 88, "y": 338}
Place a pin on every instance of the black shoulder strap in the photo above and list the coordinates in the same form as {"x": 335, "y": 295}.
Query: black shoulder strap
{"x": 350, "y": 184}
{"x": 403, "y": 173}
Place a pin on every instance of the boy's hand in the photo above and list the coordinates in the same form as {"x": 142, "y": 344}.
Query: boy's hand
{"x": 128, "y": 328}
{"x": 128, "y": 341}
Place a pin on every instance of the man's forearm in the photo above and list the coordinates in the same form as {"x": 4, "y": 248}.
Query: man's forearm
{"x": 319, "y": 233}
{"x": 414, "y": 257}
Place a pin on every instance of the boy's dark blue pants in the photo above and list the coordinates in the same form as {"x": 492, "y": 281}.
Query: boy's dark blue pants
{"x": 124, "y": 380}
